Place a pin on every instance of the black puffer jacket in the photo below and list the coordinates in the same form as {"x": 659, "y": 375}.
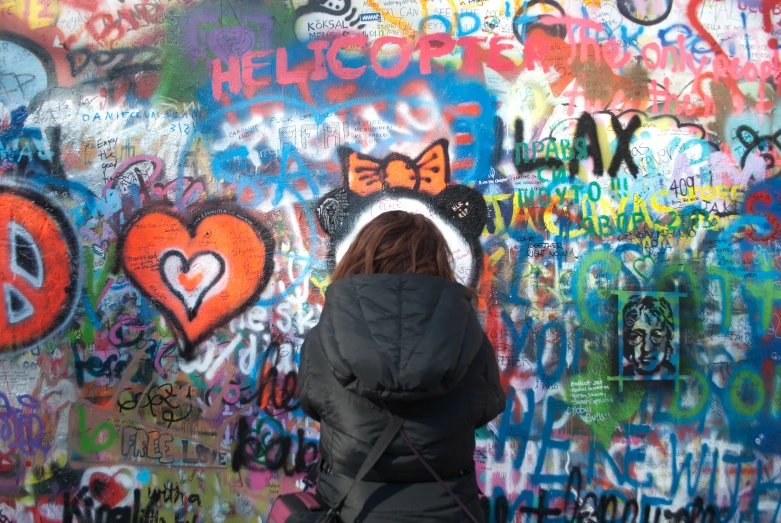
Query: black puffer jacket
{"x": 415, "y": 342}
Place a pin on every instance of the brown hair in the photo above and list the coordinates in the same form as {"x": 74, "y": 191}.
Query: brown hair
{"x": 397, "y": 242}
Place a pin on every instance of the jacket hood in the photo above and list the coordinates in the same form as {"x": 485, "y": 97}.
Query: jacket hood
{"x": 399, "y": 336}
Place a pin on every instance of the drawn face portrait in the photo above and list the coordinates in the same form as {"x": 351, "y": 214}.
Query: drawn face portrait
{"x": 647, "y": 336}
{"x": 648, "y": 340}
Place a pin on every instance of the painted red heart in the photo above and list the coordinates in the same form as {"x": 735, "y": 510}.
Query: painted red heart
{"x": 201, "y": 269}
{"x": 106, "y": 489}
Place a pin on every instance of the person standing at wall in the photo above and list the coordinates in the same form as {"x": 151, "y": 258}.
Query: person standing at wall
{"x": 399, "y": 340}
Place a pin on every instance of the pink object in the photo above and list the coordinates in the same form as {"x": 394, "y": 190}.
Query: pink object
{"x": 308, "y": 500}
{"x": 288, "y": 504}
{"x": 279, "y": 513}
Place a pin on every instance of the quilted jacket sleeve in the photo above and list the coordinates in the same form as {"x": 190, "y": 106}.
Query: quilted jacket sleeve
{"x": 495, "y": 397}
{"x": 308, "y": 376}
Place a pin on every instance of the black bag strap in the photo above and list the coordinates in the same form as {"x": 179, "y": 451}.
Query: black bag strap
{"x": 382, "y": 443}
{"x": 428, "y": 467}
{"x": 310, "y": 480}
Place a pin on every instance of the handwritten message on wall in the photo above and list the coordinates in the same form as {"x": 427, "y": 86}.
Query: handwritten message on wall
{"x": 178, "y": 179}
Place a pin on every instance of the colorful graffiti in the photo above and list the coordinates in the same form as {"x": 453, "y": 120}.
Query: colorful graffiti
{"x": 179, "y": 179}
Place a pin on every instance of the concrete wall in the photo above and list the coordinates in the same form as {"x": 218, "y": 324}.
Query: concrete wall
{"x": 179, "y": 176}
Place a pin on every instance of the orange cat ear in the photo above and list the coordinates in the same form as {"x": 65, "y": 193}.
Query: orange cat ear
{"x": 434, "y": 166}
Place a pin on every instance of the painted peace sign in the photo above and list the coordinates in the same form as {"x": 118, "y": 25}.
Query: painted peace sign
{"x": 39, "y": 268}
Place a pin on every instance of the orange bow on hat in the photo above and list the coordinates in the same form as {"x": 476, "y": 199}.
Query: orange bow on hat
{"x": 429, "y": 172}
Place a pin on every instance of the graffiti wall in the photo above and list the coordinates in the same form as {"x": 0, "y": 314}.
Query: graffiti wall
{"x": 178, "y": 178}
